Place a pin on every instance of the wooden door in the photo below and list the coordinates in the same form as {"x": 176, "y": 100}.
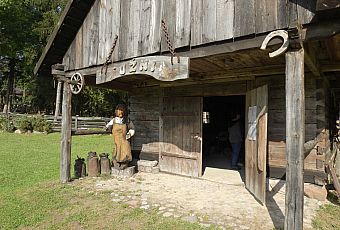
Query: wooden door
{"x": 181, "y": 136}
{"x": 256, "y": 142}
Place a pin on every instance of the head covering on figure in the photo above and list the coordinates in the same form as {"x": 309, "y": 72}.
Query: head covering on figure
{"x": 120, "y": 114}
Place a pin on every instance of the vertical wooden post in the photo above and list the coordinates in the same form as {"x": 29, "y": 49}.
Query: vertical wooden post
{"x": 65, "y": 154}
{"x": 76, "y": 122}
{"x": 58, "y": 100}
{"x": 295, "y": 131}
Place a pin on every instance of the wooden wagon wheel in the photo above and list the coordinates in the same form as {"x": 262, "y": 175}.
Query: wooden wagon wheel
{"x": 77, "y": 82}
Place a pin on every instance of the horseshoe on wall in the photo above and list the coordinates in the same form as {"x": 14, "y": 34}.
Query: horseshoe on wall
{"x": 278, "y": 33}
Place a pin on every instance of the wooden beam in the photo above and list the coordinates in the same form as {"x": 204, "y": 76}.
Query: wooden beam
{"x": 230, "y": 73}
{"x": 330, "y": 67}
{"x": 89, "y": 132}
{"x": 295, "y": 125}
{"x": 327, "y": 4}
{"x": 331, "y": 171}
{"x": 321, "y": 30}
{"x": 162, "y": 68}
{"x": 58, "y": 100}
{"x": 65, "y": 153}
{"x": 226, "y": 47}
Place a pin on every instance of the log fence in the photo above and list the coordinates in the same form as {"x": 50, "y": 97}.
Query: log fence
{"x": 78, "y": 123}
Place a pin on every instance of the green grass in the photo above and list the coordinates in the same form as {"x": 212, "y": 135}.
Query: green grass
{"x": 328, "y": 215}
{"x": 31, "y": 196}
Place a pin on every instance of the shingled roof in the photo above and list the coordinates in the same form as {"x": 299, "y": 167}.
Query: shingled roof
{"x": 63, "y": 35}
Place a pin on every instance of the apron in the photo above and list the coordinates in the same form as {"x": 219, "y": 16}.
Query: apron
{"x": 122, "y": 150}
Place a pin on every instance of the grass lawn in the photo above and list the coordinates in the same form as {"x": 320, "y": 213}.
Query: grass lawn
{"x": 328, "y": 215}
{"x": 31, "y": 196}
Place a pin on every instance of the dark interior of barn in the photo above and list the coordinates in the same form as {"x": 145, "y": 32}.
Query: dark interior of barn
{"x": 217, "y": 112}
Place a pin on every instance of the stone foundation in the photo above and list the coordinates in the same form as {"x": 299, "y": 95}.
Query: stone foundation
{"x": 147, "y": 166}
{"x": 125, "y": 173}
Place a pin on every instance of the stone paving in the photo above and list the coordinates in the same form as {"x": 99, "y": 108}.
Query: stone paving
{"x": 202, "y": 201}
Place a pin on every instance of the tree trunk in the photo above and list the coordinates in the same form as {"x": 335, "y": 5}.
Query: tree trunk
{"x": 9, "y": 93}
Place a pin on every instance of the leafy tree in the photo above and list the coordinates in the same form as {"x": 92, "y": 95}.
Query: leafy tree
{"x": 25, "y": 26}
{"x": 97, "y": 102}
{"x": 24, "y": 29}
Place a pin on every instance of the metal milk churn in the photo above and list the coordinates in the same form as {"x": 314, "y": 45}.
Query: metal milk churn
{"x": 79, "y": 167}
{"x": 104, "y": 163}
{"x": 93, "y": 164}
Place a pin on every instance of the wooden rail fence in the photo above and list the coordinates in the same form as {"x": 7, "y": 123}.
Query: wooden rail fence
{"x": 78, "y": 123}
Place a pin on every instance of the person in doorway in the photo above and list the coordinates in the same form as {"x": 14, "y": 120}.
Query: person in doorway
{"x": 122, "y": 131}
{"x": 235, "y": 138}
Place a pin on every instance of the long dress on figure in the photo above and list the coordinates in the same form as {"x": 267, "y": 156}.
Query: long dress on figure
{"x": 122, "y": 150}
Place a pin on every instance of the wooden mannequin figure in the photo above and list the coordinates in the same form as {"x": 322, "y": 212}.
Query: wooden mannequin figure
{"x": 122, "y": 131}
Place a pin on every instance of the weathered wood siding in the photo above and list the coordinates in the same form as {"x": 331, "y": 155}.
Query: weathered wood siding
{"x": 324, "y": 117}
{"x": 144, "y": 112}
{"x": 277, "y": 119}
{"x": 180, "y": 135}
{"x": 190, "y": 23}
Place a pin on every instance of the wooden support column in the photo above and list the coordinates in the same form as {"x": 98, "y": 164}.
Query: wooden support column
{"x": 58, "y": 100}
{"x": 295, "y": 123}
{"x": 66, "y": 125}
{"x": 66, "y": 122}
{"x": 295, "y": 131}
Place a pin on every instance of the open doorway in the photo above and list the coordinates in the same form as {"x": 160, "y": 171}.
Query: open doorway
{"x": 217, "y": 114}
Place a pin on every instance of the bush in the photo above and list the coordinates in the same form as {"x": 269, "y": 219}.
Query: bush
{"x": 2, "y": 122}
{"x": 23, "y": 123}
{"x": 40, "y": 124}
{"x": 6, "y": 125}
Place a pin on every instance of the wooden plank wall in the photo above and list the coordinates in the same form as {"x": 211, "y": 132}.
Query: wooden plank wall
{"x": 323, "y": 116}
{"x": 144, "y": 112}
{"x": 207, "y": 90}
{"x": 190, "y": 23}
{"x": 277, "y": 119}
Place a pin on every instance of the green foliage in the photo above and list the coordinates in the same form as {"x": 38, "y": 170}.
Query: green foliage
{"x": 25, "y": 26}
{"x": 6, "y": 125}
{"x": 327, "y": 217}
{"x": 23, "y": 123}
{"x": 97, "y": 102}
{"x": 32, "y": 123}
{"x": 40, "y": 124}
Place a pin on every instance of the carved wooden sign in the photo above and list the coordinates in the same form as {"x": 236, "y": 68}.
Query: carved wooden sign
{"x": 158, "y": 67}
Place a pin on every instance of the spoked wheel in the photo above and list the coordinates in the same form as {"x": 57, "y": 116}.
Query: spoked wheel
{"x": 77, "y": 83}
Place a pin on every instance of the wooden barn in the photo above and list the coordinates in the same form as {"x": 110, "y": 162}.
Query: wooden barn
{"x": 188, "y": 63}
